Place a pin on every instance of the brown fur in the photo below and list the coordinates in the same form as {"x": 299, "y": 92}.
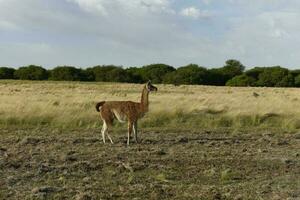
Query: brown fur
{"x": 124, "y": 111}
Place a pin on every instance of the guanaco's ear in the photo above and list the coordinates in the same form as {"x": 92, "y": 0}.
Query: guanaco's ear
{"x": 148, "y": 85}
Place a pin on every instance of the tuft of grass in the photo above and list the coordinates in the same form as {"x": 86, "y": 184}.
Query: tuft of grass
{"x": 229, "y": 175}
{"x": 161, "y": 177}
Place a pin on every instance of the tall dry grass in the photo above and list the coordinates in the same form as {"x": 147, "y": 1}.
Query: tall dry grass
{"x": 72, "y": 105}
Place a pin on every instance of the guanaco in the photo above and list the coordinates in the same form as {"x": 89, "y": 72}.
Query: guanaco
{"x": 124, "y": 111}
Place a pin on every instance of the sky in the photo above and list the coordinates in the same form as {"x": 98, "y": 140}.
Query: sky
{"x": 85, "y": 33}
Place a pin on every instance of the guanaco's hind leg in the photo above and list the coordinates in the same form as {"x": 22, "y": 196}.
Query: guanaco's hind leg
{"x": 108, "y": 119}
{"x": 109, "y": 137}
{"x": 103, "y": 130}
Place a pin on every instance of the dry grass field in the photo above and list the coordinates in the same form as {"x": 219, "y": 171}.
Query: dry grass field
{"x": 196, "y": 143}
{"x": 71, "y": 105}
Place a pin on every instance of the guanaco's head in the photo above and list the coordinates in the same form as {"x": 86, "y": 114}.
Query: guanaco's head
{"x": 151, "y": 87}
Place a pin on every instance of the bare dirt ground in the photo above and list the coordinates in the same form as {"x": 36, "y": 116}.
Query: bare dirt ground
{"x": 52, "y": 164}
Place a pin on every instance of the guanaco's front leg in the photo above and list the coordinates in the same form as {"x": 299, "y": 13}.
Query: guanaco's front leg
{"x": 130, "y": 124}
{"x": 135, "y": 131}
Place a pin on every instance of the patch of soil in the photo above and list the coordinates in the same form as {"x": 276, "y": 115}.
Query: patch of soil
{"x": 164, "y": 165}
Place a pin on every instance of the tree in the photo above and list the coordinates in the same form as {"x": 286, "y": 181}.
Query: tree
{"x": 231, "y": 69}
{"x": 7, "y": 73}
{"x": 111, "y": 73}
{"x": 66, "y": 73}
{"x": 101, "y": 72}
{"x": 255, "y": 72}
{"x": 155, "y": 72}
{"x": 295, "y": 72}
{"x": 135, "y": 75}
{"x": 31, "y": 72}
{"x": 216, "y": 77}
{"x": 87, "y": 74}
{"x": 286, "y": 81}
{"x": 297, "y": 81}
{"x": 274, "y": 77}
{"x": 241, "y": 80}
{"x": 219, "y": 76}
{"x": 190, "y": 74}
{"x": 118, "y": 75}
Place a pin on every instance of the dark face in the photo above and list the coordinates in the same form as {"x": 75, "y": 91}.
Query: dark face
{"x": 151, "y": 87}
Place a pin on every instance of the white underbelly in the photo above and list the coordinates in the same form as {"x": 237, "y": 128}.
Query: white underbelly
{"x": 120, "y": 117}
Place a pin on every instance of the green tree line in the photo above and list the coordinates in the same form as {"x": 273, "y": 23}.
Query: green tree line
{"x": 233, "y": 73}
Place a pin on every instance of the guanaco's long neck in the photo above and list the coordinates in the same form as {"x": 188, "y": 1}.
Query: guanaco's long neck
{"x": 145, "y": 100}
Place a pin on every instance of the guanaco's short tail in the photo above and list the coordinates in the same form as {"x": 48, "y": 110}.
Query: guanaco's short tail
{"x": 98, "y": 105}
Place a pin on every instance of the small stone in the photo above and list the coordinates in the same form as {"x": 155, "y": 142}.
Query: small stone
{"x": 35, "y": 190}
{"x": 3, "y": 149}
{"x": 30, "y": 140}
{"x": 297, "y": 136}
{"x": 287, "y": 161}
{"x": 161, "y": 152}
{"x": 238, "y": 197}
{"x": 44, "y": 189}
{"x": 86, "y": 179}
{"x": 71, "y": 158}
{"x": 183, "y": 140}
{"x": 255, "y": 94}
{"x": 282, "y": 142}
{"x": 83, "y": 196}
{"x": 212, "y": 144}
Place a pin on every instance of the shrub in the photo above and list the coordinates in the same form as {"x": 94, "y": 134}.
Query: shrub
{"x": 241, "y": 80}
